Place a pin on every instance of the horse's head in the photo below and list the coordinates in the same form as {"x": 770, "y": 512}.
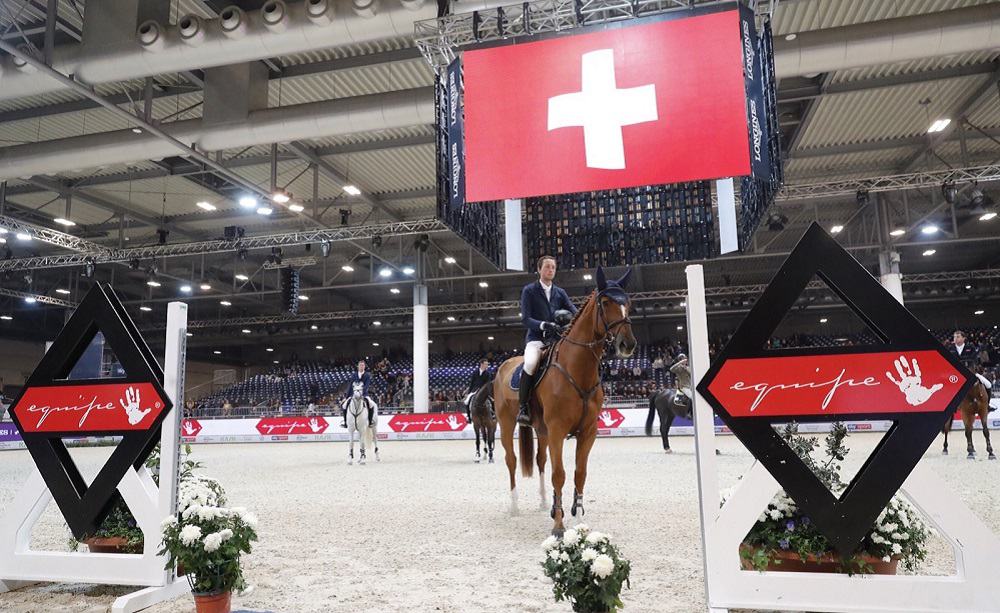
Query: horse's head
{"x": 359, "y": 390}
{"x": 613, "y": 305}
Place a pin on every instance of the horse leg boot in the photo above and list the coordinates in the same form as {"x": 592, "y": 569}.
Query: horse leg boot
{"x": 524, "y": 399}
{"x": 986, "y": 434}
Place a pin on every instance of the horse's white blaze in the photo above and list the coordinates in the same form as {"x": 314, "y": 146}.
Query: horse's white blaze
{"x": 624, "y": 313}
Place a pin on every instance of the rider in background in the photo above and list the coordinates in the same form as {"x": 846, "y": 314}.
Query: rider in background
{"x": 364, "y": 378}
{"x": 682, "y": 373}
{"x": 479, "y": 378}
{"x": 539, "y": 302}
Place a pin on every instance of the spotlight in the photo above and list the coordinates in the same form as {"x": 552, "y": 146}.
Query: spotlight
{"x": 407, "y": 270}
{"x": 232, "y": 233}
{"x": 376, "y": 323}
{"x": 186, "y": 289}
{"x": 929, "y": 229}
{"x": 319, "y": 347}
{"x": 205, "y": 287}
{"x": 248, "y": 202}
{"x": 483, "y": 284}
{"x": 930, "y": 252}
{"x": 987, "y": 216}
{"x": 347, "y": 268}
{"x": 246, "y": 331}
{"x": 385, "y": 273}
{"x": 588, "y": 277}
{"x": 352, "y": 190}
{"x": 394, "y": 290}
{"x": 449, "y": 260}
{"x": 242, "y": 277}
{"x": 205, "y": 206}
{"x": 264, "y": 210}
{"x": 836, "y": 229}
{"x": 324, "y": 249}
{"x": 275, "y": 257}
{"x": 314, "y": 327}
{"x": 949, "y": 191}
{"x": 296, "y": 208}
{"x": 133, "y": 263}
{"x": 376, "y": 241}
{"x": 897, "y": 232}
{"x": 242, "y": 254}
{"x": 303, "y": 297}
{"x": 64, "y": 292}
{"x": 225, "y": 303}
{"x": 23, "y": 236}
{"x": 30, "y": 300}
{"x": 776, "y": 222}
{"x": 145, "y": 309}
{"x": 64, "y": 222}
{"x": 823, "y": 320}
{"x": 344, "y": 215}
{"x": 217, "y": 352}
{"x": 153, "y": 283}
{"x": 979, "y": 312}
{"x": 88, "y": 266}
{"x": 939, "y": 125}
{"x": 374, "y": 344}
{"x": 422, "y": 242}
{"x": 280, "y": 196}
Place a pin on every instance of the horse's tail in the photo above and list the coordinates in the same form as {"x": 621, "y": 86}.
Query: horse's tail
{"x": 652, "y": 413}
{"x": 526, "y": 436}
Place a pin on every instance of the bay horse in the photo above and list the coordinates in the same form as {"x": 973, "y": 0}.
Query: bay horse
{"x": 484, "y": 420}
{"x": 662, "y": 403}
{"x": 976, "y": 403}
{"x": 568, "y": 396}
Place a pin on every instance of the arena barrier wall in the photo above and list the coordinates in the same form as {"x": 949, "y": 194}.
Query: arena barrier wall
{"x": 422, "y": 426}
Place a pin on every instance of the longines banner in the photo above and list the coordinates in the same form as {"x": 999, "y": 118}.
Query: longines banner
{"x": 655, "y": 101}
{"x": 753, "y": 74}
{"x": 456, "y": 144}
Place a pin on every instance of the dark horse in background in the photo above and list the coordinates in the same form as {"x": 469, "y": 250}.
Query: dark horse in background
{"x": 484, "y": 420}
{"x": 668, "y": 404}
{"x": 976, "y": 403}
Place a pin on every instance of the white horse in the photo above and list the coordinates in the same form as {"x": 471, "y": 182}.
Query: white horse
{"x": 357, "y": 421}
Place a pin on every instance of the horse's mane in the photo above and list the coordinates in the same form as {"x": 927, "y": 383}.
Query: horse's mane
{"x": 580, "y": 311}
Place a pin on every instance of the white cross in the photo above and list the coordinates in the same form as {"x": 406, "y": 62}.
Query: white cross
{"x": 602, "y": 109}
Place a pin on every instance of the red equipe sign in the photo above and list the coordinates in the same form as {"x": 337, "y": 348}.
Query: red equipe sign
{"x": 610, "y": 418}
{"x": 661, "y": 102}
{"x": 292, "y": 425}
{"x": 190, "y": 427}
{"x": 839, "y": 384}
{"x": 110, "y": 407}
{"x": 428, "y": 422}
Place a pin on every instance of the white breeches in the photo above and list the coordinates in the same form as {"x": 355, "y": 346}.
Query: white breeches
{"x": 532, "y": 353}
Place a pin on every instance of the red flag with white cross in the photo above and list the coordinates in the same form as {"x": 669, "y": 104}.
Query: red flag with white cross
{"x": 655, "y": 103}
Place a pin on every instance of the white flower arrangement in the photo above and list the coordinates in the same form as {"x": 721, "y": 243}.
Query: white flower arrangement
{"x": 585, "y": 568}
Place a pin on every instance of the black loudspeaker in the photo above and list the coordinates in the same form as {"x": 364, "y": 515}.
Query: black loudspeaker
{"x": 290, "y": 290}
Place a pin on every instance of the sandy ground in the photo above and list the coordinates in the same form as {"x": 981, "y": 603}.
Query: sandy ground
{"x": 428, "y": 530}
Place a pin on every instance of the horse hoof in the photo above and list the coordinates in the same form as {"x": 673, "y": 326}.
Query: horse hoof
{"x": 668, "y": 451}
{"x": 477, "y": 460}
{"x": 491, "y": 460}
{"x": 945, "y": 452}
{"x": 992, "y": 456}
{"x": 350, "y": 462}
{"x": 558, "y": 532}
{"x": 971, "y": 456}
{"x": 717, "y": 452}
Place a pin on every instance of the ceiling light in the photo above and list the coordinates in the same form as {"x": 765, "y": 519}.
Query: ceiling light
{"x": 352, "y": 190}
{"x": 430, "y": 342}
{"x": 188, "y": 334}
{"x": 270, "y": 350}
{"x": 987, "y": 216}
{"x": 449, "y": 260}
{"x": 376, "y": 323}
{"x": 277, "y": 362}
{"x": 186, "y": 289}
{"x": 137, "y": 130}
{"x": 938, "y": 126}
{"x": 6, "y": 317}
{"x": 385, "y": 272}
{"x": 145, "y": 309}
{"x": 680, "y": 327}
{"x": 823, "y": 320}
{"x": 588, "y": 277}
{"x": 979, "y": 312}
{"x": 483, "y": 284}
{"x": 217, "y": 352}
{"x": 930, "y": 252}
{"x": 242, "y": 277}
{"x": 451, "y": 318}
{"x": 836, "y": 229}
{"x": 206, "y": 206}
{"x": 314, "y": 327}
{"x": 319, "y": 346}
{"x": 374, "y": 344}
{"x": 296, "y": 208}
{"x": 394, "y": 290}
{"x": 248, "y": 202}
{"x": 205, "y": 287}
{"x": 21, "y": 236}
{"x": 225, "y": 303}
{"x": 407, "y": 270}
{"x": 489, "y": 338}
{"x": 792, "y": 36}
{"x": 968, "y": 287}
{"x": 245, "y": 331}
{"x": 3, "y": 241}
{"x": 303, "y": 297}
{"x": 64, "y": 222}
{"x": 30, "y": 300}
{"x": 897, "y": 232}
{"x": 280, "y": 196}
{"x": 265, "y": 210}
{"x": 929, "y": 229}
{"x": 62, "y": 291}
{"x": 153, "y": 283}
{"x": 347, "y": 268}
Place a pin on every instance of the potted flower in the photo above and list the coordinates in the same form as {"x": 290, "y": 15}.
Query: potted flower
{"x": 586, "y": 569}
{"x": 784, "y": 539}
{"x": 208, "y": 540}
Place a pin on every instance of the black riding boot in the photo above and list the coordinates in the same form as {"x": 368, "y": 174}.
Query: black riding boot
{"x": 343, "y": 414}
{"x": 524, "y": 398}
{"x": 371, "y": 415}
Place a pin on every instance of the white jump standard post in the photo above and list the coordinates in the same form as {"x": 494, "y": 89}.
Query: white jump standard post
{"x": 149, "y": 504}
{"x": 976, "y": 549}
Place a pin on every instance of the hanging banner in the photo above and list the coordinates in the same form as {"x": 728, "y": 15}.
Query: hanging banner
{"x": 653, "y": 102}
{"x": 456, "y": 136}
{"x": 753, "y": 75}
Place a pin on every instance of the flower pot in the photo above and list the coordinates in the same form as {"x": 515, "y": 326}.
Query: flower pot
{"x": 110, "y": 544}
{"x": 792, "y": 562}
{"x": 213, "y": 603}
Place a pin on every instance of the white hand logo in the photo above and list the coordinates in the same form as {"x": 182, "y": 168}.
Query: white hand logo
{"x": 131, "y": 406}
{"x": 188, "y": 427}
{"x": 314, "y": 425}
{"x": 453, "y": 422}
{"x": 606, "y": 419}
{"x": 910, "y": 382}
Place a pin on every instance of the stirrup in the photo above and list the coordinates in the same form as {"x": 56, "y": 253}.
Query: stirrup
{"x": 524, "y": 417}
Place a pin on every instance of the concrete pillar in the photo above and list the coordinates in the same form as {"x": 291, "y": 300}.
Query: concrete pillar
{"x": 888, "y": 269}
{"x": 421, "y": 361}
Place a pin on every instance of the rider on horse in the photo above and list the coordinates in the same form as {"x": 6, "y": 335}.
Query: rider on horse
{"x": 539, "y": 302}
{"x": 969, "y": 356}
{"x": 479, "y": 378}
{"x": 682, "y": 373}
{"x": 365, "y": 379}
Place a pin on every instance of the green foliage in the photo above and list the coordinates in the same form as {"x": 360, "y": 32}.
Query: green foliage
{"x": 586, "y": 569}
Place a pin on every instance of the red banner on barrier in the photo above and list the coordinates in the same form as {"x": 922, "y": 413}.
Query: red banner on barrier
{"x": 292, "y": 425}
{"x": 109, "y": 407}
{"x": 844, "y": 384}
{"x": 610, "y": 419}
{"x": 190, "y": 427}
{"x": 648, "y": 104}
{"x": 428, "y": 422}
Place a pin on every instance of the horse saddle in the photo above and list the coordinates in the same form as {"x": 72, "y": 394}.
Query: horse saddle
{"x": 543, "y": 365}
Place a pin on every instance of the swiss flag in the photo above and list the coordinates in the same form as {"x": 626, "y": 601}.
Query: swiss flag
{"x": 661, "y": 102}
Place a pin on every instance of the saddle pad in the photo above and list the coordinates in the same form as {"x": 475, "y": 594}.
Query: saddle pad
{"x": 515, "y": 379}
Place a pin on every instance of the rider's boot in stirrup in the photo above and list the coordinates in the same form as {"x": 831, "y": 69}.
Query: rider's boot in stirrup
{"x": 524, "y": 399}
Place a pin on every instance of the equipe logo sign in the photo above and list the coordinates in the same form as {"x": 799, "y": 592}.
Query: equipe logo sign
{"x": 292, "y": 425}
{"x": 428, "y": 422}
{"x": 190, "y": 428}
{"x": 115, "y": 407}
{"x": 909, "y": 379}
{"x": 51, "y": 407}
{"x": 660, "y": 102}
{"x": 610, "y": 419}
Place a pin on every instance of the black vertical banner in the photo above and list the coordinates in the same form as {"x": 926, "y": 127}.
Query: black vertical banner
{"x": 456, "y": 136}
{"x": 760, "y": 159}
